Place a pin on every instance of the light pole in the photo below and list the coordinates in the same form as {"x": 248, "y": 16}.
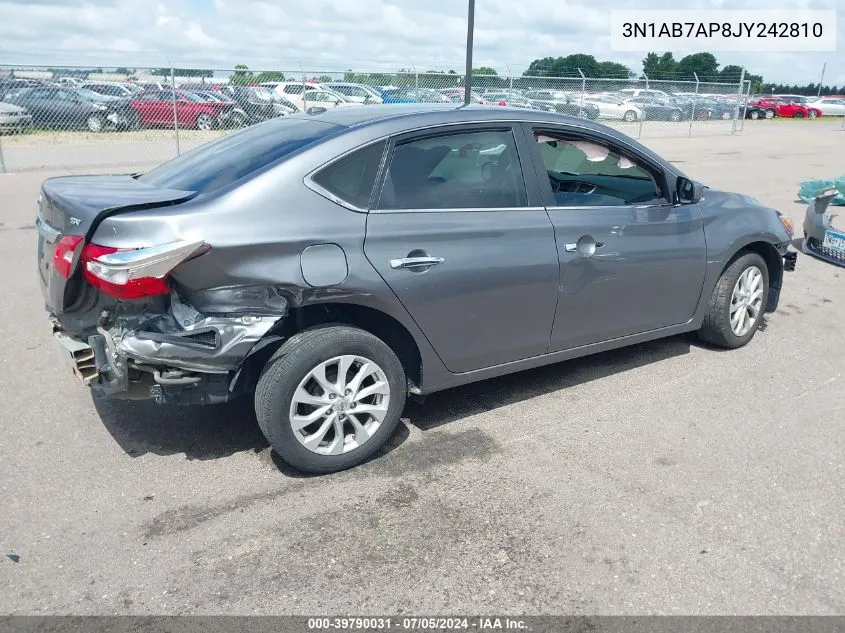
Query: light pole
{"x": 468, "y": 74}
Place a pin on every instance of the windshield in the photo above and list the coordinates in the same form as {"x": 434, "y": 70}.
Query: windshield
{"x": 237, "y": 155}
{"x": 190, "y": 96}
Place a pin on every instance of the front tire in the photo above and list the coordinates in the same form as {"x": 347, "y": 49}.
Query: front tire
{"x": 798, "y": 115}
{"x": 770, "y": 114}
{"x": 813, "y": 114}
{"x": 630, "y": 116}
{"x": 330, "y": 398}
{"x": 675, "y": 116}
{"x": 737, "y": 303}
{"x": 754, "y": 115}
{"x": 95, "y": 123}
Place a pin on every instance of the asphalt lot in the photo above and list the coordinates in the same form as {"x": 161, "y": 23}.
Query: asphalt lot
{"x": 668, "y": 478}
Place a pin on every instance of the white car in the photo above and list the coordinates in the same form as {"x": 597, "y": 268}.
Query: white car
{"x": 611, "y": 107}
{"x": 630, "y": 93}
{"x": 359, "y": 93}
{"x": 830, "y": 106}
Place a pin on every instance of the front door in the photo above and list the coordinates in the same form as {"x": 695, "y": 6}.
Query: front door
{"x": 630, "y": 261}
{"x": 455, "y": 238}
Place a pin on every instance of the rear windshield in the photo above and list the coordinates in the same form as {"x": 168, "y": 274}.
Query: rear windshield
{"x": 237, "y": 155}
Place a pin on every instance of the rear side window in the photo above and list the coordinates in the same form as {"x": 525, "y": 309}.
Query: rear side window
{"x": 467, "y": 170}
{"x": 228, "y": 159}
{"x": 352, "y": 177}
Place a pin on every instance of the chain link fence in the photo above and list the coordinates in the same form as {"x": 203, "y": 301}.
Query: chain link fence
{"x": 70, "y": 118}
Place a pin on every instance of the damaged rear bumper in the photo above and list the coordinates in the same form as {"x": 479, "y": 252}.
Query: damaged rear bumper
{"x": 821, "y": 239}
{"x": 179, "y": 357}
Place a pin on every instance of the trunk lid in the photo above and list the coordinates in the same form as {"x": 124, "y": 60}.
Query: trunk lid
{"x": 73, "y": 206}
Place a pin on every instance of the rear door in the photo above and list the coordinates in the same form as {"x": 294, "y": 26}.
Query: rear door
{"x": 466, "y": 248}
{"x": 630, "y": 260}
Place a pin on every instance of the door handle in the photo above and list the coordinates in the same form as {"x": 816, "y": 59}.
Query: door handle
{"x": 415, "y": 262}
{"x": 585, "y": 244}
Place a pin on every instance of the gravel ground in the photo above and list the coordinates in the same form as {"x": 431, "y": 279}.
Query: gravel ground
{"x": 667, "y": 478}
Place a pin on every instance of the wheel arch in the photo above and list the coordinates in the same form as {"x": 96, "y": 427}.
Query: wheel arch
{"x": 774, "y": 266}
{"x": 380, "y": 324}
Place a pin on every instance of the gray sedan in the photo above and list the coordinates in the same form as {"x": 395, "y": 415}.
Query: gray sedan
{"x": 331, "y": 264}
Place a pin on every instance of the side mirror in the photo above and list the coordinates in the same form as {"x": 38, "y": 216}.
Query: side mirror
{"x": 689, "y": 191}
{"x": 181, "y": 101}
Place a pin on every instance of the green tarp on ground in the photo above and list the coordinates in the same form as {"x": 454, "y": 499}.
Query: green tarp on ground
{"x": 809, "y": 189}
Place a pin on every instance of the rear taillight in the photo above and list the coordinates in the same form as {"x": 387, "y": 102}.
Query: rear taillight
{"x": 64, "y": 253}
{"x": 136, "y": 273}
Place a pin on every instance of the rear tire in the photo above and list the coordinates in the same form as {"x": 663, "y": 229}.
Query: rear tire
{"x": 288, "y": 393}
{"x": 770, "y": 114}
{"x": 727, "y": 115}
{"x": 675, "y": 116}
{"x": 813, "y": 114}
{"x": 727, "y": 301}
{"x": 754, "y": 115}
{"x": 204, "y": 122}
{"x": 630, "y": 116}
{"x": 798, "y": 115}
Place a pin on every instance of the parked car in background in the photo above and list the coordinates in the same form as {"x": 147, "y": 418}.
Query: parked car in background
{"x": 612, "y": 107}
{"x": 69, "y": 82}
{"x": 358, "y": 93}
{"x": 657, "y": 109}
{"x": 9, "y": 87}
{"x": 559, "y": 101}
{"x": 74, "y": 108}
{"x": 156, "y": 108}
{"x": 457, "y": 95}
{"x": 828, "y": 106}
{"x": 291, "y": 90}
{"x": 112, "y": 88}
{"x": 783, "y": 108}
{"x": 691, "y": 108}
{"x": 630, "y": 93}
{"x": 718, "y": 109}
{"x": 291, "y": 261}
{"x": 234, "y": 118}
{"x": 510, "y": 98}
{"x": 14, "y": 118}
{"x": 754, "y": 112}
{"x": 413, "y": 95}
{"x": 323, "y": 98}
{"x": 801, "y": 99}
{"x": 258, "y": 103}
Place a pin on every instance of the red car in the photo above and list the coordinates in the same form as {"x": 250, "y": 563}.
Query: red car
{"x": 781, "y": 107}
{"x": 155, "y": 107}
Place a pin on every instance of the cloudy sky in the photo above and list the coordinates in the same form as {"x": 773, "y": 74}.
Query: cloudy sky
{"x": 331, "y": 35}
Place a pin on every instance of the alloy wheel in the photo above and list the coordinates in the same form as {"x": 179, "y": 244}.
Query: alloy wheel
{"x": 339, "y": 405}
{"x": 204, "y": 122}
{"x": 95, "y": 123}
{"x": 746, "y": 301}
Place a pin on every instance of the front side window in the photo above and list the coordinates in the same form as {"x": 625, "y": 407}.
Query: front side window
{"x": 293, "y": 89}
{"x": 457, "y": 171}
{"x": 352, "y": 177}
{"x": 584, "y": 173}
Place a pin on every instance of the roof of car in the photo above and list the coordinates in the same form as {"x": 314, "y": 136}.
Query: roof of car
{"x": 444, "y": 113}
